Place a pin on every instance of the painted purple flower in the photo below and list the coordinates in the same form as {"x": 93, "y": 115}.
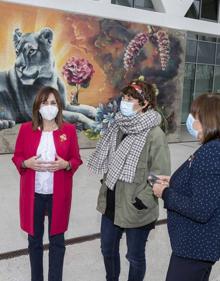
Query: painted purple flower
{"x": 78, "y": 72}
{"x": 136, "y": 44}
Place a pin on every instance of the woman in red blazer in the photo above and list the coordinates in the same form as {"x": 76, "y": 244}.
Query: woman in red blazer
{"x": 46, "y": 156}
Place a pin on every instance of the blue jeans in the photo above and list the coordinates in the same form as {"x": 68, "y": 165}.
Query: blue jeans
{"x": 43, "y": 205}
{"x": 136, "y": 242}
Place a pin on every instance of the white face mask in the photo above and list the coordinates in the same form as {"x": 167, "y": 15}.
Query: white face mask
{"x": 126, "y": 108}
{"x": 48, "y": 112}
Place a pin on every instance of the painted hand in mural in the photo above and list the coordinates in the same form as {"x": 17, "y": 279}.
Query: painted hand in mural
{"x": 5, "y": 124}
{"x": 35, "y": 67}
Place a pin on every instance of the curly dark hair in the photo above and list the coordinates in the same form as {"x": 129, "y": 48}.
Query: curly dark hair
{"x": 142, "y": 91}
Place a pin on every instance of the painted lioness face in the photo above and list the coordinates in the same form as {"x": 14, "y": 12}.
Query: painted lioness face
{"x": 33, "y": 55}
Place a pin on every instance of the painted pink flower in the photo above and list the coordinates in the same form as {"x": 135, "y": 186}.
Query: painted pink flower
{"x": 137, "y": 43}
{"x": 163, "y": 47}
{"x": 134, "y": 48}
{"x": 78, "y": 71}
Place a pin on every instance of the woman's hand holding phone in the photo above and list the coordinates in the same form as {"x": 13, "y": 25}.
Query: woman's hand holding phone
{"x": 152, "y": 179}
{"x": 160, "y": 184}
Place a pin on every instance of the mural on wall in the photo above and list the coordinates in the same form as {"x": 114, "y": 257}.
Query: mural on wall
{"x": 89, "y": 60}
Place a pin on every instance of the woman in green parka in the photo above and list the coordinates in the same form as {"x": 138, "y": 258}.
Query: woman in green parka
{"x": 133, "y": 147}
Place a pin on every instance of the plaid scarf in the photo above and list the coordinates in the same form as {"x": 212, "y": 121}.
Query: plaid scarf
{"x": 120, "y": 162}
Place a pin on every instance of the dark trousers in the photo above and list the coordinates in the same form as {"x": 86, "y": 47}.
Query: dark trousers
{"x": 43, "y": 205}
{"x": 136, "y": 242}
{"x": 184, "y": 269}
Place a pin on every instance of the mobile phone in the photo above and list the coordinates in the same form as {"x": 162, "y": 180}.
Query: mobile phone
{"x": 152, "y": 179}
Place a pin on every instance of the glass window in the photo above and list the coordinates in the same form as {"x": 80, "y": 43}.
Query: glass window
{"x": 128, "y": 3}
{"x": 209, "y": 9}
{"x": 218, "y": 55}
{"x": 194, "y": 10}
{"x": 217, "y": 79}
{"x": 192, "y": 35}
{"x": 143, "y": 4}
{"x": 191, "y": 46}
{"x": 202, "y": 68}
{"x": 188, "y": 89}
{"x": 206, "y": 52}
{"x": 204, "y": 79}
{"x": 207, "y": 38}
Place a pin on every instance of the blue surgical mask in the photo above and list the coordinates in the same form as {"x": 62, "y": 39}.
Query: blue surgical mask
{"x": 126, "y": 108}
{"x": 189, "y": 124}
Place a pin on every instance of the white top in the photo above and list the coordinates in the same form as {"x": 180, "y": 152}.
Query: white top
{"x": 47, "y": 150}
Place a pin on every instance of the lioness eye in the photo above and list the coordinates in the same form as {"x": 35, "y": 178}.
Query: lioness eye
{"x": 17, "y": 52}
{"x": 32, "y": 51}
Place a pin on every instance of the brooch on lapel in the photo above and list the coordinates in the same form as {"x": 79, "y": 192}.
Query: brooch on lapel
{"x": 191, "y": 158}
{"x": 63, "y": 137}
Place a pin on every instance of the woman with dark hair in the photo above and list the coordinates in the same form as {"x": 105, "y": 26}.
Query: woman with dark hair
{"x": 192, "y": 199}
{"x": 46, "y": 156}
{"x": 133, "y": 146}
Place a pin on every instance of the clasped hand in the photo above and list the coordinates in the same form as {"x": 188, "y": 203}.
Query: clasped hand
{"x": 160, "y": 185}
{"x": 46, "y": 166}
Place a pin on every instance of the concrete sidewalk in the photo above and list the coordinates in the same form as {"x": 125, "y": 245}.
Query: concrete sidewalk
{"x": 83, "y": 262}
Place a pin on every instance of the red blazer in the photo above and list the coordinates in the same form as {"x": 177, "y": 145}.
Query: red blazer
{"x": 65, "y": 140}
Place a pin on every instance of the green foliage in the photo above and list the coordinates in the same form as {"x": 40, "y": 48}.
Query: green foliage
{"x": 91, "y": 134}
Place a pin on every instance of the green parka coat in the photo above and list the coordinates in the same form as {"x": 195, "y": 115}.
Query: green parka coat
{"x": 155, "y": 157}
